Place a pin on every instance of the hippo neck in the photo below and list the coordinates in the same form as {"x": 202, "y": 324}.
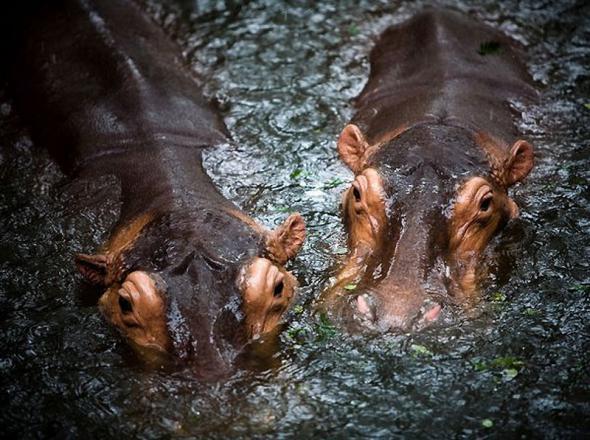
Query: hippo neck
{"x": 428, "y": 70}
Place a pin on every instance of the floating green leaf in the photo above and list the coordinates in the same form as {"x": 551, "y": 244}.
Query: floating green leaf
{"x": 532, "y": 312}
{"x": 333, "y": 183}
{"x": 498, "y": 297}
{"x": 480, "y": 366}
{"x": 294, "y": 332}
{"x": 298, "y": 309}
{"x": 581, "y": 288}
{"x": 350, "y": 286}
{"x": 509, "y": 373}
{"x": 507, "y": 362}
{"x": 489, "y": 48}
{"x": 340, "y": 250}
{"x": 353, "y": 29}
{"x": 421, "y": 350}
{"x": 487, "y": 423}
{"x": 324, "y": 328}
{"x": 587, "y": 105}
{"x": 299, "y": 172}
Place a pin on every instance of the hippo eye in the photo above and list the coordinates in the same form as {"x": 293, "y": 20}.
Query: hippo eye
{"x": 485, "y": 204}
{"x": 279, "y": 289}
{"x": 356, "y": 194}
{"x": 125, "y": 305}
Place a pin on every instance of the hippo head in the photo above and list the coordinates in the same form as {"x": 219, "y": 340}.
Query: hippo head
{"x": 419, "y": 214}
{"x": 197, "y": 286}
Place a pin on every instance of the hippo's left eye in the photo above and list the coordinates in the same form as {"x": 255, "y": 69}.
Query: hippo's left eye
{"x": 278, "y": 290}
{"x": 356, "y": 193}
{"x": 486, "y": 203}
{"x": 356, "y": 196}
{"x": 125, "y": 305}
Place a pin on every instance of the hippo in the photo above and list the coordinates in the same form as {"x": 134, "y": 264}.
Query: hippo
{"x": 185, "y": 272}
{"x": 434, "y": 150}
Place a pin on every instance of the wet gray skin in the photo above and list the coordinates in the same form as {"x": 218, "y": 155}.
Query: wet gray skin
{"x": 285, "y": 72}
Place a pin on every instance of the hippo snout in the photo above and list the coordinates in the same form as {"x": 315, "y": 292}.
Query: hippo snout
{"x": 397, "y": 310}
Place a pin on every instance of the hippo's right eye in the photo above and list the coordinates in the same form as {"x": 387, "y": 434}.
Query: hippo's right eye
{"x": 125, "y": 305}
{"x": 485, "y": 203}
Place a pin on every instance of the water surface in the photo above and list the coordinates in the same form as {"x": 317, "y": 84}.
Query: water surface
{"x": 284, "y": 73}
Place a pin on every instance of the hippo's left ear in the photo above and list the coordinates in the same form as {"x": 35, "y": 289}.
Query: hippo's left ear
{"x": 352, "y": 146}
{"x": 519, "y": 162}
{"x": 284, "y": 242}
{"x": 94, "y": 268}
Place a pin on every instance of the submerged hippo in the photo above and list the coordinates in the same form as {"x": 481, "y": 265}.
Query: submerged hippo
{"x": 185, "y": 271}
{"x": 434, "y": 150}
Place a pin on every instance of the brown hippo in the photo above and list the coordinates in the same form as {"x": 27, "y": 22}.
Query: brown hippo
{"x": 185, "y": 271}
{"x": 434, "y": 150}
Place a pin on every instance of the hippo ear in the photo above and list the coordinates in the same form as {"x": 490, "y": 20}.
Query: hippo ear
{"x": 519, "y": 163}
{"x": 285, "y": 241}
{"x": 352, "y": 146}
{"x": 93, "y": 268}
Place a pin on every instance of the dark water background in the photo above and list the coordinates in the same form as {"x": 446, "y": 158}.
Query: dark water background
{"x": 284, "y": 73}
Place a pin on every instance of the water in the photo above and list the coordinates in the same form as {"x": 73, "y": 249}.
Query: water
{"x": 284, "y": 73}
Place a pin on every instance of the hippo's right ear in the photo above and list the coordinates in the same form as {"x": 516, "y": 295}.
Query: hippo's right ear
{"x": 519, "y": 163}
{"x": 93, "y": 268}
{"x": 352, "y": 147}
{"x": 284, "y": 242}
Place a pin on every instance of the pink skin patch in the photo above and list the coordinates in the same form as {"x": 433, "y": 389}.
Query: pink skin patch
{"x": 433, "y": 313}
{"x": 363, "y": 307}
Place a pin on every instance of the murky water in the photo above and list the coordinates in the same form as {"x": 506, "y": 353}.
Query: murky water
{"x": 284, "y": 73}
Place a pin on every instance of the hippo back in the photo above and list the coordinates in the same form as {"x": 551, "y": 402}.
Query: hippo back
{"x": 102, "y": 91}
{"x": 431, "y": 69}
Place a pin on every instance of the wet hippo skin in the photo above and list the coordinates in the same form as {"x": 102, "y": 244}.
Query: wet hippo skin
{"x": 434, "y": 149}
{"x": 186, "y": 272}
